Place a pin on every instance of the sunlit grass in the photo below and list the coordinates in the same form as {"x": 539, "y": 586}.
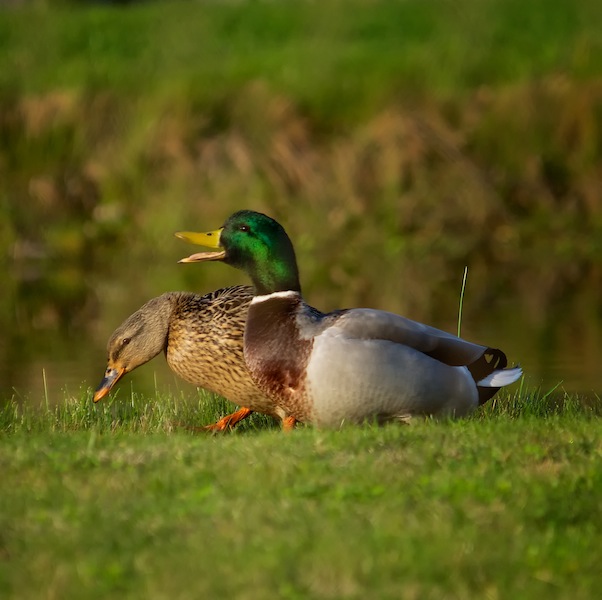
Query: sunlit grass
{"x": 133, "y": 412}
{"x": 171, "y": 413}
{"x": 112, "y": 500}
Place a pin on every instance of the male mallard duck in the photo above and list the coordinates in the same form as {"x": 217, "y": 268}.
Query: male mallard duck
{"x": 349, "y": 365}
{"x": 202, "y": 337}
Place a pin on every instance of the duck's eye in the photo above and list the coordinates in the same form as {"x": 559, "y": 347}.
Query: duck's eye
{"x": 244, "y": 228}
{"x": 126, "y": 341}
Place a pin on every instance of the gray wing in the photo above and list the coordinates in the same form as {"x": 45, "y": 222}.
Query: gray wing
{"x": 367, "y": 323}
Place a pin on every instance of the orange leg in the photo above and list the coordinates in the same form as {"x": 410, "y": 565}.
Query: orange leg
{"x": 229, "y": 420}
{"x": 288, "y": 423}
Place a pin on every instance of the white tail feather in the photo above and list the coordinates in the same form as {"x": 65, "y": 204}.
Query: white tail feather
{"x": 501, "y": 378}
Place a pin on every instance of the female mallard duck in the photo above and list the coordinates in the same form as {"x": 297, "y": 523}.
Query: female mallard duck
{"x": 202, "y": 337}
{"x": 349, "y": 365}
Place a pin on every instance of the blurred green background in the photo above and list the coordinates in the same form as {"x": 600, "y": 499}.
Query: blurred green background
{"x": 396, "y": 141}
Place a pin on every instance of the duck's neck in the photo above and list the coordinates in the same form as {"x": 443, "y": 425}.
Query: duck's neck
{"x": 158, "y": 321}
{"x": 280, "y": 299}
{"x": 280, "y": 277}
{"x": 272, "y": 268}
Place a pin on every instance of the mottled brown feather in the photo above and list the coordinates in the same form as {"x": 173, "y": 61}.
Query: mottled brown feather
{"x": 202, "y": 337}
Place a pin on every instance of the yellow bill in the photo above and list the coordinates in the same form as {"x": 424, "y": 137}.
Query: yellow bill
{"x": 211, "y": 239}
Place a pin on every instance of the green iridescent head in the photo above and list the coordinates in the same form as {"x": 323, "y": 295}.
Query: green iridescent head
{"x": 254, "y": 243}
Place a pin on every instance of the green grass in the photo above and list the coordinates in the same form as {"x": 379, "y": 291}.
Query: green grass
{"x": 114, "y": 501}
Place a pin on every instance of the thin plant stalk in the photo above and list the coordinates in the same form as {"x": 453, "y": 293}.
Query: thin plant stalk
{"x": 462, "y": 299}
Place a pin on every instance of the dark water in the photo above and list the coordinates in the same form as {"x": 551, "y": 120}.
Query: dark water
{"x": 54, "y": 336}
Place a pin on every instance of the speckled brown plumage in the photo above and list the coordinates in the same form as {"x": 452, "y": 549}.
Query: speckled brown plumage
{"x": 202, "y": 337}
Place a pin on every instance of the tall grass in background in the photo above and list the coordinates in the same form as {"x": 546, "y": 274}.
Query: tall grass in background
{"x": 380, "y": 121}
{"x": 396, "y": 141}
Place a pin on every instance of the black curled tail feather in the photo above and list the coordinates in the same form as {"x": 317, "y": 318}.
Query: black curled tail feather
{"x": 491, "y": 360}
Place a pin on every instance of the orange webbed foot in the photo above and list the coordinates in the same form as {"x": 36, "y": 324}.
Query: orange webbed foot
{"x": 223, "y": 424}
{"x": 228, "y": 421}
{"x": 288, "y": 424}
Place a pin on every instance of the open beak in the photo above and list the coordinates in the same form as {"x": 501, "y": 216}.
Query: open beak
{"x": 112, "y": 376}
{"x": 211, "y": 239}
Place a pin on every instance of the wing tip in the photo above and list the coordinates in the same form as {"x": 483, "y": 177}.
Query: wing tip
{"x": 502, "y": 377}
